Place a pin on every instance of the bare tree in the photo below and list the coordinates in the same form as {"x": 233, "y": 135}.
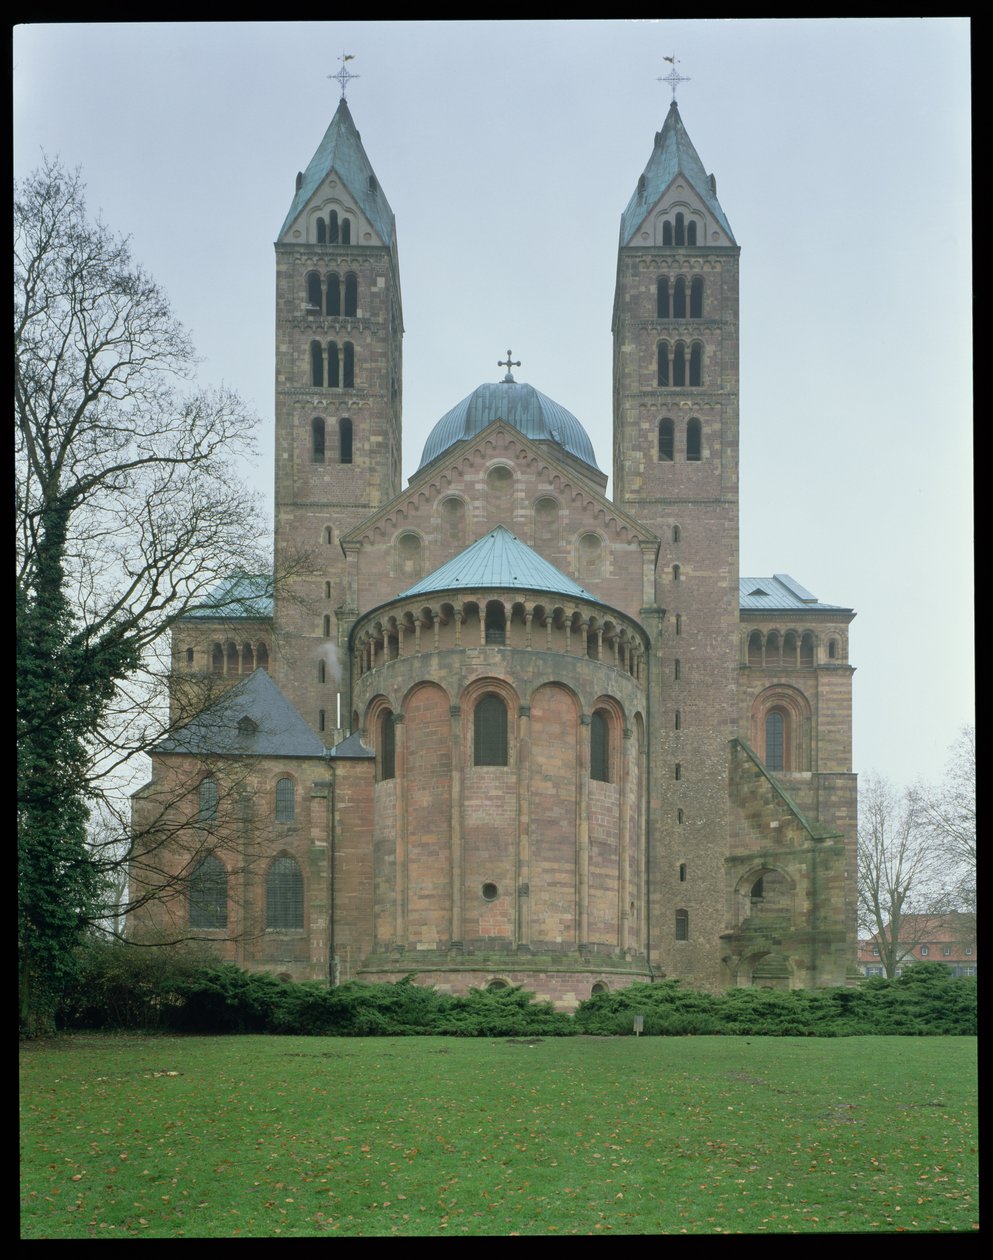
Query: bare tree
{"x": 950, "y": 814}
{"x": 900, "y": 892}
{"x": 129, "y": 511}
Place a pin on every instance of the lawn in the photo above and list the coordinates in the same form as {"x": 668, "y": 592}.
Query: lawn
{"x": 219, "y": 1137}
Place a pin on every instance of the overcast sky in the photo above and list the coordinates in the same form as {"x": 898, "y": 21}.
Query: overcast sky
{"x": 507, "y": 151}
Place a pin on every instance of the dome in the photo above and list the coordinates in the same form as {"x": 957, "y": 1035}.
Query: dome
{"x": 523, "y": 406}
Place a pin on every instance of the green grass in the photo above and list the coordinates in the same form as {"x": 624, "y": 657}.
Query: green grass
{"x": 170, "y": 1137}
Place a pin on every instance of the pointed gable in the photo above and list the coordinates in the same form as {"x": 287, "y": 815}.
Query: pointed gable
{"x": 673, "y": 156}
{"x": 253, "y": 719}
{"x": 498, "y": 560}
{"x": 341, "y": 153}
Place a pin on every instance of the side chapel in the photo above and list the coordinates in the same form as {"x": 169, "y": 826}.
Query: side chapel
{"x": 500, "y": 728}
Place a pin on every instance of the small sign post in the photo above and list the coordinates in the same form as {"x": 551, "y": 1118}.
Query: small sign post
{"x": 639, "y": 1024}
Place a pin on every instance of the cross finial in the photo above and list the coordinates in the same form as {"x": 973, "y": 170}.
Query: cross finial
{"x": 673, "y": 77}
{"x": 510, "y": 363}
{"x": 344, "y": 75}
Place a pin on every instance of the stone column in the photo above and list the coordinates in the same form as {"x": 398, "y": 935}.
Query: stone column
{"x": 456, "y": 823}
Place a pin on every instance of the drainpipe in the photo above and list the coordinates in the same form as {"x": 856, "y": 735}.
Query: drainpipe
{"x": 332, "y": 836}
{"x": 649, "y": 742}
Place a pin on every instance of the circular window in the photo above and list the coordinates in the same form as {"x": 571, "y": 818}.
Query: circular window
{"x": 599, "y": 987}
{"x": 490, "y": 892}
{"x": 495, "y": 985}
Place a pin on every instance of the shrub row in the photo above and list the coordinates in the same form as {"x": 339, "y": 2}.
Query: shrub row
{"x": 182, "y": 989}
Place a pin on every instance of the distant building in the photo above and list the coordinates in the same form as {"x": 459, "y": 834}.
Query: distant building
{"x": 498, "y": 727}
{"x": 949, "y": 939}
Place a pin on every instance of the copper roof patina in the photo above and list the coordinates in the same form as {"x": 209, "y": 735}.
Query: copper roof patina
{"x": 341, "y": 151}
{"x": 530, "y": 412}
{"x": 242, "y": 596}
{"x": 673, "y": 155}
{"x": 499, "y": 560}
{"x": 757, "y": 594}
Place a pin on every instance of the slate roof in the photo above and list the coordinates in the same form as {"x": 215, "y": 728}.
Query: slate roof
{"x": 758, "y": 594}
{"x": 673, "y": 155}
{"x": 243, "y": 595}
{"x": 530, "y": 412}
{"x": 498, "y": 559}
{"x": 341, "y": 151}
{"x": 352, "y": 748}
{"x": 279, "y": 730}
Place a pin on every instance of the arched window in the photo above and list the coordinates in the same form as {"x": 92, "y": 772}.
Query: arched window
{"x": 261, "y": 657}
{"x": 682, "y": 872}
{"x": 546, "y": 524}
{"x": 189, "y": 658}
{"x": 496, "y": 622}
{"x": 387, "y": 747}
{"x": 317, "y": 440}
{"x": 247, "y": 658}
{"x": 351, "y": 294}
{"x": 696, "y": 363}
{"x": 789, "y": 648}
{"x": 755, "y": 648}
{"x": 334, "y": 370}
{"x": 217, "y": 659}
{"x": 772, "y": 648}
{"x": 208, "y": 801}
{"x": 600, "y": 746}
{"x": 345, "y": 440}
{"x": 346, "y": 231}
{"x": 679, "y": 365}
{"x": 678, "y": 723}
{"x": 662, "y": 298}
{"x": 348, "y": 370}
{"x": 680, "y": 234}
{"x": 675, "y": 572}
{"x": 322, "y": 233}
{"x": 490, "y": 732}
{"x": 696, "y": 298}
{"x": 667, "y": 233}
{"x": 667, "y": 441}
{"x": 679, "y": 298}
{"x": 208, "y": 894}
{"x": 775, "y": 740}
{"x": 314, "y": 290}
{"x": 286, "y": 809}
{"x": 409, "y": 555}
{"x": 663, "y": 363}
{"x": 682, "y": 925}
{"x": 333, "y": 228}
{"x": 232, "y": 657}
{"x": 284, "y": 895}
{"x": 675, "y": 533}
{"x": 333, "y": 300}
{"x": 691, "y": 232}
{"x": 316, "y": 364}
{"x": 694, "y": 445}
{"x": 322, "y": 672}
{"x": 807, "y": 651}
{"x": 327, "y": 626}
{"x": 329, "y": 534}
{"x": 832, "y": 649}
{"x": 590, "y": 557}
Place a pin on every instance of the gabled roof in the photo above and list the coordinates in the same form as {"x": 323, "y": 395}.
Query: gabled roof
{"x": 253, "y": 719}
{"x": 341, "y": 151}
{"x": 673, "y": 155}
{"x": 498, "y": 559}
{"x": 761, "y": 594}
{"x": 246, "y": 596}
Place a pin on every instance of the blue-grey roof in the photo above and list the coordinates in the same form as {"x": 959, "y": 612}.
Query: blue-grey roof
{"x": 273, "y": 727}
{"x": 499, "y": 560}
{"x": 673, "y": 155}
{"x": 243, "y": 595}
{"x": 352, "y": 748}
{"x": 526, "y": 408}
{"x": 758, "y": 594}
{"x": 341, "y": 151}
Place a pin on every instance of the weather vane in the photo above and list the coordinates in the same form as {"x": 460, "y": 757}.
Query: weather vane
{"x": 673, "y": 77}
{"x": 343, "y": 76}
{"x": 510, "y": 363}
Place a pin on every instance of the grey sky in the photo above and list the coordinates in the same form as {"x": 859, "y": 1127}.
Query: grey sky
{"x": 508, "y": 151}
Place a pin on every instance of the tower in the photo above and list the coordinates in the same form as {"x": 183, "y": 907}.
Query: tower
{"x": 339, "y": 329}
{"x": 675, "y": 332}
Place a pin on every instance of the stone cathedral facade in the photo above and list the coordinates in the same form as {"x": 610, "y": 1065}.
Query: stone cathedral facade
{"x": 496, "y": 727}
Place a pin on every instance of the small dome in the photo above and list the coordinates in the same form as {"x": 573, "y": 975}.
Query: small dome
{"x": 523, "y": 406}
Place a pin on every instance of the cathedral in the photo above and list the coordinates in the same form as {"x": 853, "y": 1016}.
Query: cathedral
{"x": 493, "y": 727}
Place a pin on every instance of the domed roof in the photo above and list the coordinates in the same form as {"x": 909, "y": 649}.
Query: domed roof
{"x": 533, "y": 413}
